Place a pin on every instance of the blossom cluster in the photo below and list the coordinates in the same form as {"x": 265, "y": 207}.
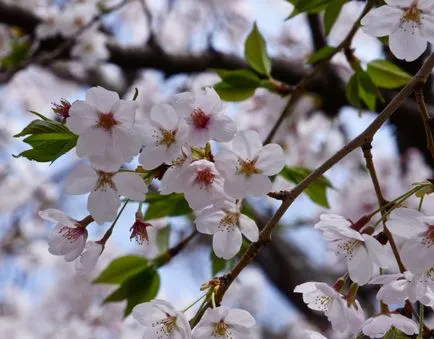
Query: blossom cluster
{"x": 369, "y": 260}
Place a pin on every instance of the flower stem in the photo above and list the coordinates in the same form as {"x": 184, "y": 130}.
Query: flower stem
{"x": 109, "y": 232}
{"x": 194, "y": 302}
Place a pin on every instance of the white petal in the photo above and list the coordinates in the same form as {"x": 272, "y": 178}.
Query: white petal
{"x": 152, "y": 157}
{"x": 223, "y": 128}
{"x": 79, "y": 247}
{"x": 227, "y": 244}
{"x": 240, "y": 320}
{"x": 376, "y": 251}
{"x": 248, "y": 228}
{"x": 125, "y": 112}
{"x": 360, "y": 266}
{"x": 82, "y": 179}
{"x": 147, "y": 313}
{"x": 130, "y": 185}
{"x": 103, "y": 205}
{"x": 407, "y": 42}
{"x": 270, "y": 159}
{"x": 125, "y": 142}
{"x": 101, "y": 99}
{"x": 93, "y": 141}
{"x": 236, "y": 186}
{"x": 209, "y": 219}
{"x": 82, "y": 116}
{"x": 88, "y": 259}
{"x": 247, "y": 144}
{"x": 427, "y": 27}
{"x": 57, "y": 216}
{"x": 399, "y": 3}
{"x": 226, "y": 163}
{"x": 257, "y": 185}
{"x": 394, "y": 292}
{"x": 164, "y": 116}
{"x": 108, "y": 161}
{"x": 382, "y": 21}
{"x": 208, "y": 100}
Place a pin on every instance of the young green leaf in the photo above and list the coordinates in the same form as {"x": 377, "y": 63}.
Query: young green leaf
{"x": 394, "y": 333}
{"x": 385, "y": 74}
{"x": 331, "y": 14}
{"x": 256, "y": 52}
{"x": 49, "y": 140}
{"x": 322, "y": 54}
{"x": 217, "y": 264}
{"x": 368, "y": 92}
{"x": 120, "y": 269}
{"x": 308, "y": 6}
{"x": 137, "y": 289}
{"x": 166, "y": 206}
{"x": 236, "y": 85}
{"x": 228, "y": 92}
{"x": 163, "y": 238}
{"x": 352, "y": 92}
{"x": 317, "y": 190}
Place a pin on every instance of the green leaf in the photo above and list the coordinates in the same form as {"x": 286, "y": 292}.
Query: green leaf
{"x": 322, "y": 54}
{"x": 236, "y": 85}
{"x": 120, "y": 269}
{"x": 331, "y": 14}
{"x": 316, "y": 190}
{"x": 308, "y": 6}
{"x": 256, "y": 52}
{"x": 352, "y": 92}
{"x": 49, "y": 140}
{"x": 19, "y": 52}
{"x": 217, "y": 264}
{"x": 163, "y": 238}
{"x": 394, "y": 333}
{"x": 368, "y": 92}
{"x": 43, "y": 117}
{"x": 385, "y": 74}
{"x": 137, "y": 289}
{"x": 166, "y": 206}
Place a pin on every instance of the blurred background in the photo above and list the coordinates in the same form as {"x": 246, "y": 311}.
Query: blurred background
{"x": 161, "y": 48}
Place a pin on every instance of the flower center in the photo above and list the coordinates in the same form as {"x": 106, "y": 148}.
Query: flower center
{"x": 88, "y": 47}
{"x": 247, "y": 167}
{"x": 139, "y": 230}
{"x": 62, "y": 109}
{"x": 72, "y": 234}
{"x": 167, "y": 137}
{"x": 78, "y": 22}
{"x": 413, "y": 14}
{"x": 348, "y": 247}
{"x": 204, "y": 178}
{"x": 104, "y": 180}
{"x": 168, "y": 323}
{"x": 428, "y": 239}
{"x": 221, "y": 328}
{"x": 322, "y": 301}
{"x": 106, "y": 121}
{"x": 200, "y": 119}
{"x": 231, "y": 218}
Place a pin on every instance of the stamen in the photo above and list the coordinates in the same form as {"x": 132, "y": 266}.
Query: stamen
{"x": 204, "y": 178}
{"x": 247, "y": 167}
{"x": 106, "y": 121}
{"x": 200, "y": 119}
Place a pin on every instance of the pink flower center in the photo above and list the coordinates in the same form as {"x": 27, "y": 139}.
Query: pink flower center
{"x": 105, "y": 179}
{"x": 412, "y": 14}
{"x": 248, "y": 167}
{"x": 140, "y": 231}
{"x": 72, "y": 234}
{"x": 78, "y": 22}
{"x": 200, "y": 119}
{"x": 106, "y": 121}
{"x": 221, "y": 328}
{"x": 167, "y": 137}
{"x": 62, "y": 109}
{"x": 204, "y": 178}
{"x": 428, "y": 239}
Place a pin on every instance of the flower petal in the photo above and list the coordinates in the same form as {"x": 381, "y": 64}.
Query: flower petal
{"x": 82, "y": 116}
{"x": 82, "y": 179}
{"x": 407, "y": 42}
{"x": 226, "y": 243}
{"x": 382, "y": 21}
{"x": 248, "y": 228}
{"x": 270, "y": 159}
{"x": 164, "y": 116}
{"x": 92, "y": 141}
{"x": 130, "y": 185}
{"x": 247, "y": 144}
{"x": 101, "y": 99}
{"x": 103, "y": 205}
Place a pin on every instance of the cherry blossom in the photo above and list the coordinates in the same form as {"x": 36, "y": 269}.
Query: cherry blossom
{"x": 90, "y": 48}
{"x": 75, "y": 18}
{"x": 49, "y": 27}
{"x": 417, "y": 252}
{"x": 378, "y": 326}
{"x": 223, "y": 322}
{"x": 105, "y": 125}
{"x": 87, "y": 261}
{"x": 204, "y": 117}
{"x": 408, "y": 23}
{"x": 227, "y": 225}
{"x": 161, "y": 320}
{"x": 402, "y": 286}
{"x": 363, "y": 253}
{"x": 313, "y": 335}
{"x": 247, "y": 165}
{"x": 321, "y": 297}
{"x": 203, "y": 185}
{"x": 173, "y": 179}
{"x": 104, "y": 188}
{"x": 68, "y": 238}
{"x": 165, "y": 133}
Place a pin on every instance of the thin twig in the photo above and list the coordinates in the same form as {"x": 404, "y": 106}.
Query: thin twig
{"x": 420, "y": 99}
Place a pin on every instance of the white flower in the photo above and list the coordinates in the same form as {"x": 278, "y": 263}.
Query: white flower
{"x": 165, "y": 134}
{"x": 363, "y": 253}
{"x": 68, "y": 238}
{"x": 105, "y": 125}
{"x": 48, "y": 28}
{"x": 75, "y": 18}
{"x": 104, "y": 188}
{"x": 204, "y": 117}
{"x": 247, "y": 166}
{"x": 90, "y": 48}
{"x": 87, "y": 261}
{"x": 162, "y": 321}
{"x": 321, "y": 297}
{"x": 174, "y": 178}
{"x": 222, "y": 322}
{"x": 226, "y": 224}
{"x": 417, "y": 252}
{"x": 408, "y": 23}
{"x": 203, "y": 185}
{"x": 378, "y": 326}
{"x": 399, "y": 287}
